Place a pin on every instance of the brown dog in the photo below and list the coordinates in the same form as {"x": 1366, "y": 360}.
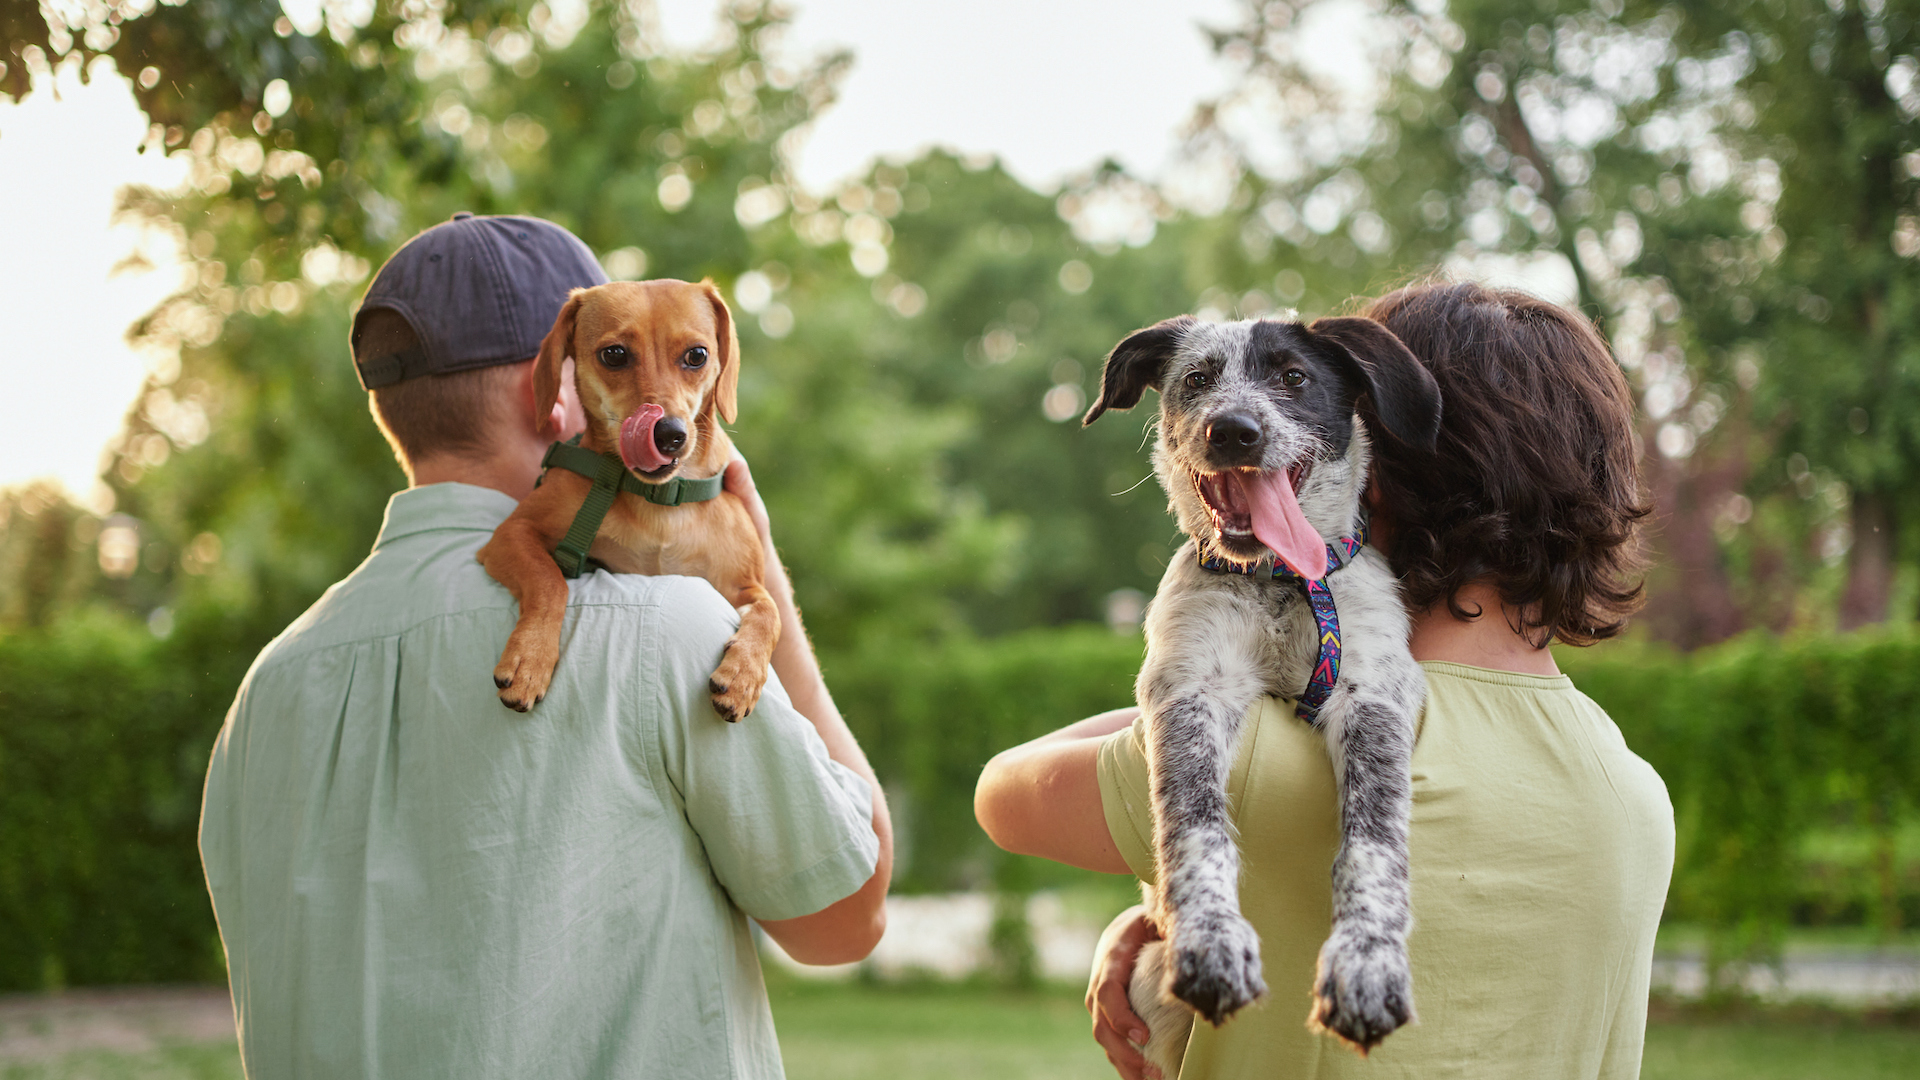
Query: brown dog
{"x": 657, "y": 367}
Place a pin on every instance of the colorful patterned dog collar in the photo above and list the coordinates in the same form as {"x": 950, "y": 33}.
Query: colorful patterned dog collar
{"x": 1326, "y": 619}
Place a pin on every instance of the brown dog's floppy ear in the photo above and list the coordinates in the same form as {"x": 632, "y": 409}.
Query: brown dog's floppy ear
{"x": 1405, "y": 397}
{"x": 726, "y": 393}
{"x": 1137, "y": 363}
{"x": 553, "y": 353}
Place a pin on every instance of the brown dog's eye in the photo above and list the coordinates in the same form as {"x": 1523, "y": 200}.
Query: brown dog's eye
{"x": 1294, "y": 378}
{"x": 696, "y": 357}
{"x": 615, "y": 357}
{"x": 1198, "y": 380}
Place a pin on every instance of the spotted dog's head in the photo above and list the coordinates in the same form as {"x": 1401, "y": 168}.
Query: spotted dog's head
{"x": 1260, "y": 449}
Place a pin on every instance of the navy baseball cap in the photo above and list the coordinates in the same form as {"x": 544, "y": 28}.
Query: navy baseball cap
{"x": 478, "y": 291}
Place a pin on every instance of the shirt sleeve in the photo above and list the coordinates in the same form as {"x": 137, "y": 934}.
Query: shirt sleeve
{"x": 1126, "y": 786}
{"x": 1126, "y": 797}
{"x": 787, "y": 830}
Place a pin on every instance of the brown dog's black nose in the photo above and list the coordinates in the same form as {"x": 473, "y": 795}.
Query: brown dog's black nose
{"x": 669, "y": 435}
{"x": 1233, "y": 431}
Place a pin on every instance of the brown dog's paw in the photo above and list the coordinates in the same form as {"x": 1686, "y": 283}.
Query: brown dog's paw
{"x": 525, "y": 672}
{"x": 737, "y": 682}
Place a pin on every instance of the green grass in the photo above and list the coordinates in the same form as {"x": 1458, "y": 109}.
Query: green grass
{"x": 1763, "y": 1047}
{"x": 192, "y": 1061}
{"x": 932, "y": 1031}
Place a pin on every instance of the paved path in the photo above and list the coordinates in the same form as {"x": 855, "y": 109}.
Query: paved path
{"x": 37, "y": 1027}
{"x": 1843, "y": 978}
{"x": 940, "y": 935}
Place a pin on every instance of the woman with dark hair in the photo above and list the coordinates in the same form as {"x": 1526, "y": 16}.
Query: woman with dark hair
{"x": 1540, "y": 845}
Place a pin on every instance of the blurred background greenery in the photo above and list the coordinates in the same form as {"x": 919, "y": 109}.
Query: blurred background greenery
{"x": 1728, "y": 188}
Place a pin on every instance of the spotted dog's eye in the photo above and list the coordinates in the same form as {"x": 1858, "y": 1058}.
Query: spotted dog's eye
{"x": 1294, "y": 378}
{"x": 696, "y": 358}
{"x": 615, "y": 357}
{"x": 1198, "y": 380}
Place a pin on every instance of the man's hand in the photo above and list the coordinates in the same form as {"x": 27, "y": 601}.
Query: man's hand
{"x": 738, "y": 482}
{"x": 1115, "y": 1027}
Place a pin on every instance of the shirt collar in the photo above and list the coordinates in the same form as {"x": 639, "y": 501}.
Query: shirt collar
{"x": 449, "y": 506}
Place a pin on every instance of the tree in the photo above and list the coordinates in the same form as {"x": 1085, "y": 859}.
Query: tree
{"x": 1726, "y": 188}
{"x": 473, "y": 107}
{"x": 1836, "y": 104}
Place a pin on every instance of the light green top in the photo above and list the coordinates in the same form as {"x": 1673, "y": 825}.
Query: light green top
{"x": 413, "y": 881}
{"x": 1541, "y": 848}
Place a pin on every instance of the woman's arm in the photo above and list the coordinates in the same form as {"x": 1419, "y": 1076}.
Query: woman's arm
{"x": 1043, "y": 797}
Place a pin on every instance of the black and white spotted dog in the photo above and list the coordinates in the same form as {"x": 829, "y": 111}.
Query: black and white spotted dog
{"x": 1265, "y": 460}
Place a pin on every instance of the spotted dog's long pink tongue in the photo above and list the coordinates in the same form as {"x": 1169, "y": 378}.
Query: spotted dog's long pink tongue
{"x": 1278, "y": 523}
{"x": 637, "y": 450}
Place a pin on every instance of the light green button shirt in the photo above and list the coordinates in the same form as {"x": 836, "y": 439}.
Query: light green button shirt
{"x": 413, "y": 881}
{"x": 1540, "y": 851}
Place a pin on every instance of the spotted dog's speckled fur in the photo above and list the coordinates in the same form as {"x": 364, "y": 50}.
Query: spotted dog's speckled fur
{"x": 1217, "y": 641}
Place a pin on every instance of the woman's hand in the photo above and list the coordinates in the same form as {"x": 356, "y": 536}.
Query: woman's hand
{"x": 1115, "y": 1027}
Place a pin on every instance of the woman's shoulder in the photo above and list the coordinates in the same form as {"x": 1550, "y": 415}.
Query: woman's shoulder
{"x": 1521, "y": 724}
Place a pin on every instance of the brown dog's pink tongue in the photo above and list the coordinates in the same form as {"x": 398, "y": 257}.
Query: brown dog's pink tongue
{"x": 1278, "y": 523}
{"x": 637, "y": 450}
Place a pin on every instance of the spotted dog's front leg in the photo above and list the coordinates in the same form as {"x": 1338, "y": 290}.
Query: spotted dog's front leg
{"x": 1216, "y": 953}
{"x": 1200, "y": 678}
{"x": 1363, "y": 989}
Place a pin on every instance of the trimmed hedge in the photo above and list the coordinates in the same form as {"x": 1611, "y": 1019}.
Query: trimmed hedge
{"x": 1771, "y": 749}
{"x": 1768, "y": 748}
{"x": 1765, "y": 745}
{"x": 930, "y": 718}
{"x": 103, "y": 751}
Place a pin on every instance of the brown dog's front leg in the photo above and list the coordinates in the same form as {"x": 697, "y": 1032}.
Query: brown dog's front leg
{"x": 742, "y": 674}
{"x": 518, "y": 558}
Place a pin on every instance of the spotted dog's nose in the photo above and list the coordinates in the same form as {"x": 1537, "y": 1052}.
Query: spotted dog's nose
{"x": 1234, "y": 437}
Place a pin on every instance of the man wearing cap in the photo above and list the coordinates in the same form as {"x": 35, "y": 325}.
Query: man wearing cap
{"x": 413, "y": 881}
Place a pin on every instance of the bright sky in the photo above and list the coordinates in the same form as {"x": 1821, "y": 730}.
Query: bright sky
{"x": 1117, "y": 77}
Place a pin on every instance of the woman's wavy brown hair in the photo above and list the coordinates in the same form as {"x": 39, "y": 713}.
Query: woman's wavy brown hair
{"x": 1534, "y": 487}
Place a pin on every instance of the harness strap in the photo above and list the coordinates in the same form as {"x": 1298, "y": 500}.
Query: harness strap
{"x": 610, "y": 477}
{"x": 1326, "y": 618}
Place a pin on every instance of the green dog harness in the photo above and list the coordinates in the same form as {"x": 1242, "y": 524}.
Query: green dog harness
{"x": 610, "y": 477}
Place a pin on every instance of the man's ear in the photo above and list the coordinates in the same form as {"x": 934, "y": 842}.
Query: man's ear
{"x": 554, "y": 349}
{"x": 726, "y": 392}
{"x": 1137, "y": 363}
{"x": 1405, "y": 397}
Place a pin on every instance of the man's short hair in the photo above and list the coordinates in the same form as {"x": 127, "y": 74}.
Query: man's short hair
{"x": 429, "y": 416}
{"x": 447, "y": 315}
{"x": 1535, "y": 487}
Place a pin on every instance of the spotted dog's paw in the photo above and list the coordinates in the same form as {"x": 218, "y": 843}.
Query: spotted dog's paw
{"x": 1216, "y": 966}
{"x": 1363, "y": 989}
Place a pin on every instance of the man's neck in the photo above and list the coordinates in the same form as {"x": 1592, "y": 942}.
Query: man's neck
{"x": 510, "y": 473}
{"x": 1487, "y": 641}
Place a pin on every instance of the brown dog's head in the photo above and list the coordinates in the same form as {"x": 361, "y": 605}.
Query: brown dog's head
{"x": 654, "y": 361}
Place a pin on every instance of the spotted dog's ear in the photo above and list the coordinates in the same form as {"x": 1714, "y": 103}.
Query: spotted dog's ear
{"x": 1137, "y": 363}
{"x": 1405, "y": 397}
